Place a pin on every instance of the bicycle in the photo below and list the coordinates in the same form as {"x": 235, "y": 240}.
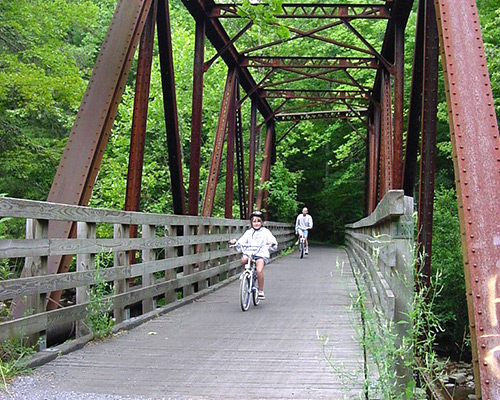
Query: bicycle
{"x": 248, "y": 280}
{"x": 302, "y": 245}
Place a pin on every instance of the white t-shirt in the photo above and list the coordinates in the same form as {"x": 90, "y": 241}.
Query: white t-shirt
{"x": 259, "y": 240}
{"x": 304, "y": 222}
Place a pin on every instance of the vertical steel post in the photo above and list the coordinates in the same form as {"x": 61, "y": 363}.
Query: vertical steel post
{"x": 230, "y": 145}
{"x": 415, "y": 106}
{"x": 196, "y": 124}
{"x": 170, "y": 108}
{"x": 240, "y": 158}
{"x": 251, "y": 156}
{"x": 139, "y": 120}
{"x": 265, "y": 170}
{"x": 476, "y": 156}
{"x": 428, "y": 146}
{"x": 386, "y": 142}
{"x": 399, "y": 61}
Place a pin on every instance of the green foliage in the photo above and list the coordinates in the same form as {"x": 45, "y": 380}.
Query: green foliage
{"x": 283, "y": 192}
{"x": 12, "y": 353}
{"x": 98, "y": 309}
{"x": 451, "y": 305}
{"x": 384, "y": 348}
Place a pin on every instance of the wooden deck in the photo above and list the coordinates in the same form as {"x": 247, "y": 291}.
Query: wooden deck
{"x": 210, "y": 349}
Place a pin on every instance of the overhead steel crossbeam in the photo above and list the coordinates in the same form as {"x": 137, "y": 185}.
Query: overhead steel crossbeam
{"x": 319, "y": 115}
{"x": 303, "y": 10}
{"x": 335, "y": 63}
{"x": 315, "y": 94}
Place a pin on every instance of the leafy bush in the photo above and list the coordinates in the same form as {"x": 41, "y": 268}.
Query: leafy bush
{"x": 450, "y": 305}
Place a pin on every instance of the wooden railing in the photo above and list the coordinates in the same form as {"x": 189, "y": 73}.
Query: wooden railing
{"x": 380, "y": 248}
{"x": 175, "y": 259}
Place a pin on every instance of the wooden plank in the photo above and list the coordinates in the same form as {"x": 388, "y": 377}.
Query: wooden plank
{"x": 391, "y": 206}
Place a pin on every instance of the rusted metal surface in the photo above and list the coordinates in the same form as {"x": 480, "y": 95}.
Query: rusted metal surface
{"x": 428, "y": 146}
{"x": 200, "y": 10}
{"x": 213, "y": 175}
{"x": 386, "y": 145}
{"x": 87, "y": 141}
{"x": 251, "y": 157}
{"x": 265, "y": 170}
{"x": 476, "y": 155}
{"x": 139, "y": 120}
{"x": 415, "y": 106}
{"x": 196, "y": 121}
{"x": 240, "y": 163}
{"x": 230, "y": 147}
{"x": 310, "y": 62}
{"x": 308, "y": 10}
{"x": 170, "y": 108}
{"x": 320, "y": 115}
{"x": 399, "y": 72}
{"x": 316, "y": 94}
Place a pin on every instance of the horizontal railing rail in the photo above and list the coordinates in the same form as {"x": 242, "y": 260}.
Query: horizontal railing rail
{"x": 380, "y": 249}
{"x": 174, "y": 259}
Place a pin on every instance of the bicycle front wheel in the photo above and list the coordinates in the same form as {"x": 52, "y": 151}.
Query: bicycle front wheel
{"x": 255, "y": 292}
{"x": 245, "y": 291}
{"x": 301, "y": 248}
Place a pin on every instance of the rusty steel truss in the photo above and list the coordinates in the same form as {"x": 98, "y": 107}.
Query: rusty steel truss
{"x": 344, "y": 77}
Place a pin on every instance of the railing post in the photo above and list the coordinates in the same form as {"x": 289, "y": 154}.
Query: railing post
{"x": 148, "y": 232}
{"x": 36, "y": 266}
{"x": 84, "y": 262}
{"x": 170, "y": 273}
{"x": 215, "y": 230}
{"x": 120, "y": 258}
{"x": 187, "y": 268}
{"x": 203, "y": 230}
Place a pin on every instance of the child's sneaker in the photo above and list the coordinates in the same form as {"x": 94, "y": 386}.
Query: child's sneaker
{"x": 261, "y": 295}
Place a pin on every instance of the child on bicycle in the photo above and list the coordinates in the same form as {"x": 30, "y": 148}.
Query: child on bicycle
{"x": 260, "y": 239}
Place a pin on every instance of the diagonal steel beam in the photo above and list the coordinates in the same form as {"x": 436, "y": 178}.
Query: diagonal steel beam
{"x": 81, "y": 159}
{"x": 476, "y": 157}
{"x": 224, "y": 116}
{"x": 170, "y": 108}
{"x": 200, "y": 10}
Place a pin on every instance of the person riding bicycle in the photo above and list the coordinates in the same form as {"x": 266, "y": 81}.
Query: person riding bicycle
{"x": 259, "y": 238}
{"x": 303, "y": 223}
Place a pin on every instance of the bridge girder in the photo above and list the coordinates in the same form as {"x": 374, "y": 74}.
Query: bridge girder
{"x": 473, "y": 125}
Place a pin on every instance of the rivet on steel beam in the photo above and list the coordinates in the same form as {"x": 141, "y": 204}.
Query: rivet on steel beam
{"x": 487, "y": 381}
{"x": 481, "y": 329}
{"x": 485, "y": 364}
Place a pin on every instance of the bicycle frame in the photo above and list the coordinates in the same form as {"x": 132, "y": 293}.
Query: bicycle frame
{"x": 248, "y": 282}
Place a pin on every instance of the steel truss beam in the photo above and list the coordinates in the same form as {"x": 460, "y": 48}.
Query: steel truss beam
{"x": 312, "y": 94}
{"x": 310, "y": 62}
{"x": 225, "y": 118}
{"x": 320, "y": 115}
{"x": 81, "y": 159}
{"x": 476, "y": 155}
{"x": 215, "y": 32}
{"x": 170, "y": 108}
{"x": 305, "y": 10}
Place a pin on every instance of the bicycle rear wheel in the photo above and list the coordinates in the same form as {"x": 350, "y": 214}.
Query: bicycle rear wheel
{"x": 245, "y": 291}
